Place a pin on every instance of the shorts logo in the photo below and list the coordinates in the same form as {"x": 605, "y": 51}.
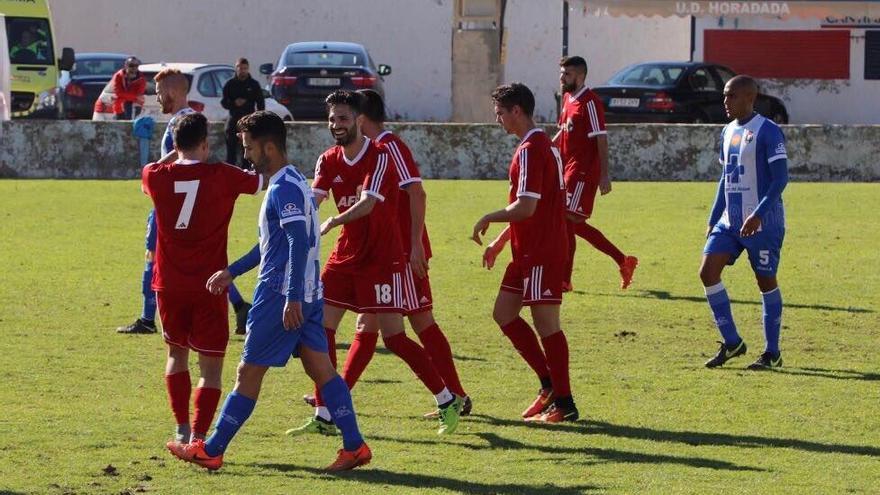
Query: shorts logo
{"x": 338, "y": 180}
{"x": 547, "y": 293}
{"x": 424, "y": 300}
{"x": 290, "y": 210}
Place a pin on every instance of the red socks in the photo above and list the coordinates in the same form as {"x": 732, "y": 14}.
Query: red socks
{"x": 331, "y": 350}
{"x": 359, "y": 356}
{"x": 599, "y": 241}
{"x": 205, "y": 405}
{"x": 417, "y": 359}
{"x": 525, "y": 342}
{"x": 179, "y": 389}
{"x": 438, "y": 350}
{"x": 556, "y": 349}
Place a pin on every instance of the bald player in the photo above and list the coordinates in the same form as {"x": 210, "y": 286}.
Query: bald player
{"x": 747, "y": 216}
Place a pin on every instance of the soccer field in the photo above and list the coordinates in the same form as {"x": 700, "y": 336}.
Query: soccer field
{"x": 78, "y": 398}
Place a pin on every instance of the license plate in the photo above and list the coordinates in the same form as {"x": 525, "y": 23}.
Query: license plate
{"x": 624, "y": 102}
{"x": 324, "y": 81}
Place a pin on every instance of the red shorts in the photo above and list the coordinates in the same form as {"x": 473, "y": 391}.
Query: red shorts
{"x": 580, "y": 189}
{"x": 367, "y": 290}
{"x": 195, "y": 320}
{"x": 417, "y": 292}
{"x": 537, "y": 284}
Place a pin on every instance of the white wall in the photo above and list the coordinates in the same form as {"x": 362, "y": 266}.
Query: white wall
{"x": 412, "y": 36}
{"x": 813, "y": 101}
{"x": 534, "y": 45}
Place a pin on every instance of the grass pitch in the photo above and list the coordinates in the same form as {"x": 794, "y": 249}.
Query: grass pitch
{"x": 84, "y": 409}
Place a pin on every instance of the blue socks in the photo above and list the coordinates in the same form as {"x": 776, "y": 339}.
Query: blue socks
{"x": 772, "y": 319}
{"x": 236, "y": 410}
{"x": 149, "y": 311}
{"x": 720, "y": 304}
{"x": 234, "y": 296}
{"x": 337, "y": 397}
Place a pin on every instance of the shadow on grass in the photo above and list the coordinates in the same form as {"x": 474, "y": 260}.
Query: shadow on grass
{"x": 829, "y": 373}
{"x": 689, "y": 437}
{"x": 668, "y": 296}
{"x": 344, "y": 346}
{"x": 496, "y": 442}
{"x": 426, "y": 481}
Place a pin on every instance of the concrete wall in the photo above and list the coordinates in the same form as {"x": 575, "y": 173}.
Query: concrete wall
{"x": 810, "y": 101}
{"x": 106, "y": 150}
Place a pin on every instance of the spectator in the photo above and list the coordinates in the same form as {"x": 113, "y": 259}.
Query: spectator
{"x": 129, "y": 86}
{"x": 242, "y": 95}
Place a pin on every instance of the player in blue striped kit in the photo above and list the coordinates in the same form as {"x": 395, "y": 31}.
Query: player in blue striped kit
{"x": 288, "y": 312}
{"x": 747, "y": 215}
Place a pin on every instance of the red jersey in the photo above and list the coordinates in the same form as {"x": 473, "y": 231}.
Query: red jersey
{"x": 536, "y": 172}
{"x": 194, "y": 203}
{"x": 408, "y": 173}
{"x": 581, "y": 120}
{"x": 372, "y": 240}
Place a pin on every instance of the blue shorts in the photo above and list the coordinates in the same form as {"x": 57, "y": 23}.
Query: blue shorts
{"x": 764, "y": 248}
{"x": 268, "y": 343}
{"x": 150, "y": 239}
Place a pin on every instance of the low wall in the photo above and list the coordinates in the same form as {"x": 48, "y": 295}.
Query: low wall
{"x": 107, "y": 150}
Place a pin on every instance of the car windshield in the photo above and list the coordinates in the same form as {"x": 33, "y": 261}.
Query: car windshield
{"x": 97, "y": 66}
{"x": 648, "y": 75}
{"x": 325, "y": 59}
{"x": 30, "y": 42}
{"x": 151, "y": 82}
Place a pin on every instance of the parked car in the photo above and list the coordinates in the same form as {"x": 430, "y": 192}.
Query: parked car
{"x": 307, "y": 72}
{"x": 677, "y": 92}
{"x": 83, "y": 84}
{"x": 205, "y": 92}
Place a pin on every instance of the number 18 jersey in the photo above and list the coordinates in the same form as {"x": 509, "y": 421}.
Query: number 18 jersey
{"x": 194, "y": 202}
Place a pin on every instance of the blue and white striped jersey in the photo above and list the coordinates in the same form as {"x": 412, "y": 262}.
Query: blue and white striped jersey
{"x": 747, "y": 152}
{"x": 168, "y": 137}
{"x": 289, "y": 199}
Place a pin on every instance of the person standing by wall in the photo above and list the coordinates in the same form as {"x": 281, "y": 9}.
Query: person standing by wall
{"x": 130, "y": 86}
{"x": 242, "y": 95}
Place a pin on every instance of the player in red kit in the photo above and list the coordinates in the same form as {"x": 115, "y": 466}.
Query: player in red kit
{"x": 582, "y": 140}
{"x": 365, "y": 272}
{"x": 539, "y": 244}
{"x": 194, "y": 201}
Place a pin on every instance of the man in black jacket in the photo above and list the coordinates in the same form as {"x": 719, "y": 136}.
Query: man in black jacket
{"x": 242, "y": 95}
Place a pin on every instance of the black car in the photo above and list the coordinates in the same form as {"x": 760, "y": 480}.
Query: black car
{"x": 307, "y": 72}
{"x": 81, "y": 87}
{"x": 676, "y": 92}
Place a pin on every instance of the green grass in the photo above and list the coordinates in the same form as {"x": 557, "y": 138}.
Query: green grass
{"x": 76, "y": 397}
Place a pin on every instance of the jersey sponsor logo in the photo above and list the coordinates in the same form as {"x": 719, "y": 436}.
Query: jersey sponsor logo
{"x": 568, "y": 126}
{"x": 780, "y": 149}
{"x": 735, "y": 139}
{"x": 347, "y": 201}
{"x": 290, "y": 210}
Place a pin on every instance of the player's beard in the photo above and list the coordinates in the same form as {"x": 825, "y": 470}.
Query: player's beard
{"x": 348, "y": 137}
{"x": 167, "y": 105}
{"x": 568, "y": 88}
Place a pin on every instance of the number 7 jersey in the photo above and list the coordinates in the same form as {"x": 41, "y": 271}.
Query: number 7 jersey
{"x": 194, "y": 203}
